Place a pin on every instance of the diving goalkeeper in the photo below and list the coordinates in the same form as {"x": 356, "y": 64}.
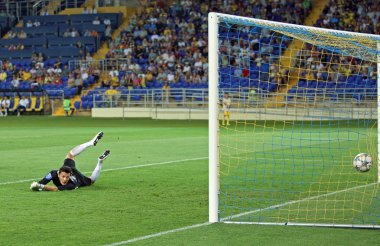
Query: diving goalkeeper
{"x": 68, "y": 177}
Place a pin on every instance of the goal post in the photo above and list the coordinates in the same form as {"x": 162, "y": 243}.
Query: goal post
{"x": 304, "y": 102}
{"x": 213, "y": 117}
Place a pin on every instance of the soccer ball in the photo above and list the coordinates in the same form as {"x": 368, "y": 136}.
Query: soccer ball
{"x": 363, "y": 162}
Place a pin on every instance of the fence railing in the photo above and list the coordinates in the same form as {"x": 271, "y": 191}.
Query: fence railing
{"x": 241, "y": 98}
{"x": 84, "y": 64}
{"x": 104, "y": 65}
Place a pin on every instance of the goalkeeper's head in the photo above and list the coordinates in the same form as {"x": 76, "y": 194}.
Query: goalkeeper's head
{"x": 64, "y": 174}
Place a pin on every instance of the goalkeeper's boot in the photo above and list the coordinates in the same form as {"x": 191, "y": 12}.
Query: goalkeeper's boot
{"x": 97, "y": 138}
{"x": 104, "y": 155}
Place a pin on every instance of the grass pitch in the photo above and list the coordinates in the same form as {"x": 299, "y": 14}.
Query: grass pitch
{"x": 155, "y": 181}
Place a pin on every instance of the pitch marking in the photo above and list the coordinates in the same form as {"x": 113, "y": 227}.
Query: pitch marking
{"x": 119, "y": 168}
{"x": 231, "y": 217}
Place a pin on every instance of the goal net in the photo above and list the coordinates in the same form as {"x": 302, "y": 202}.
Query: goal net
{"x": 303, "y": 105}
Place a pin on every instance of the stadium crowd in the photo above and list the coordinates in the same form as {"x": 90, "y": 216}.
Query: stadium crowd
{"x": 166, "y": 44}
{"x": 356, "y": 16}
{"x": 319, "y": 64}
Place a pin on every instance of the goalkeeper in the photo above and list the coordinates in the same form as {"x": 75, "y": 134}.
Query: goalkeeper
{"x": 226, "y": 104}
{"x": 68, "y": 177}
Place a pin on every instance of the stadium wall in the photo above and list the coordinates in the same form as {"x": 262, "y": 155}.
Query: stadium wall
{"x": 286, "y": 113}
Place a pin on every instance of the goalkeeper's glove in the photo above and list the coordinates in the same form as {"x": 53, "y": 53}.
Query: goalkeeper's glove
{"x": 37, "y": 186}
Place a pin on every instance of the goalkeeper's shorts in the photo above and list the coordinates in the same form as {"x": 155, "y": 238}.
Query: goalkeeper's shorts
{"x": 227, "y": 113}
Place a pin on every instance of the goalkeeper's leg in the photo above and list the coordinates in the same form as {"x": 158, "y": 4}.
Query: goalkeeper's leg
{"x": 80, "y": 148}
{"x": 228, "y": 118}
{"x": 95, "y": 174}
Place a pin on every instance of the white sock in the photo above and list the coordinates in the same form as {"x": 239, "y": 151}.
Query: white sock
{"x": 80, "y": 148}
{"x": 95, "y": 174}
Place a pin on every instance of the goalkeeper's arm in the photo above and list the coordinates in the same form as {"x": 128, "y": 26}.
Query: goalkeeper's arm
{"x": 35, "y": 186}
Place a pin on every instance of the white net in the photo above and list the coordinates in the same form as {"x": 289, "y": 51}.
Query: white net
{"x": 303, "y": 105}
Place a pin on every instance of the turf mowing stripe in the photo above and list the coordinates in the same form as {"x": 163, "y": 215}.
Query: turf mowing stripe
{"x": 224, "y": 220}
{"x": 119, "y": 168}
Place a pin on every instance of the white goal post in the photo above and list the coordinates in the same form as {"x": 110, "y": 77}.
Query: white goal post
{"x": 286, "y": 158}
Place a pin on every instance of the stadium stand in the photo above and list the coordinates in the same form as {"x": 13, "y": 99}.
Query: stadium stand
{"x": 170, "y": 43}
{"x": 41, "y": 53}
{"x": 167, "y": 43}
{"x": 347, "y": 79}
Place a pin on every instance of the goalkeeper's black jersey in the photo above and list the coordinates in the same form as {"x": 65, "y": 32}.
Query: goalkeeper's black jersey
{"x": 76, "y": 180}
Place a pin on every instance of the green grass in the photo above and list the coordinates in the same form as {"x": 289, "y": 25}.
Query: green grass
{"x": 155, "y": 180}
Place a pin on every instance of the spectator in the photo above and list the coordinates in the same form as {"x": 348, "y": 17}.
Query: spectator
{"x": 3, "y": 76}
{"x": 107, "y": 22}
{"x": 74, "y": 33}
{"x": 58, "y": 63}
{"x": 94, "y": 33}
{"x": 5, "y": 103}
{"x": 87, "y": 33}
{"x": 22, "y": 35}
{"x": 114, "y": 77}
{"x": 50, "y": 70}
{"x": 108, "y": 34}
{"x": 36, "y": 23}
{"x": 29, "y": 23}
{"x": 44, "y": 12}
{"x": 48, "y": 78}
{"x": 15, "y": 83}
{"x": 111, "y": 95}
{"x": 40, "y": 60}
{"x": 89, "y": 57}
{"x": 84, "y": 74}
{"x": 7, "y": 65}
{"x": 12, "y": 34}
{"x": 57, "y": 80}
{"x": 12, "y": 47}
{"x": 149, "y": 78}
{"x": 23, "y": 105}
{"x": 14, "y": 70}
{"x": 19, "y": 46}
{"x": 96, "y": 21}
{"x": 70, "y": 81}
{"x": 79, "y": 84}
{"x": 67, "y": 33}
{"x": 106, "y": 82}
{"x": 65, "y": 71}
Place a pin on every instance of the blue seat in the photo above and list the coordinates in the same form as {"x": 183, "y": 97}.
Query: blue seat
{"x": 115, "y": 18}
{"x": 17, "y": 54}
{"x": 28, "y": 42}
{"x": 77, "y": 105}
{"x": 38, "y": 31}
{"x": 61, "y": 52}
{"x": 48, "y": 19}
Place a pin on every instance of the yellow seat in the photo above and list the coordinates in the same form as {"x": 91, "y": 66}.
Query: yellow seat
{"x": 32, "y": 104}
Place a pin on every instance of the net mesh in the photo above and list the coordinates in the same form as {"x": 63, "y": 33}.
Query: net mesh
{"x": 303, "y": 105}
